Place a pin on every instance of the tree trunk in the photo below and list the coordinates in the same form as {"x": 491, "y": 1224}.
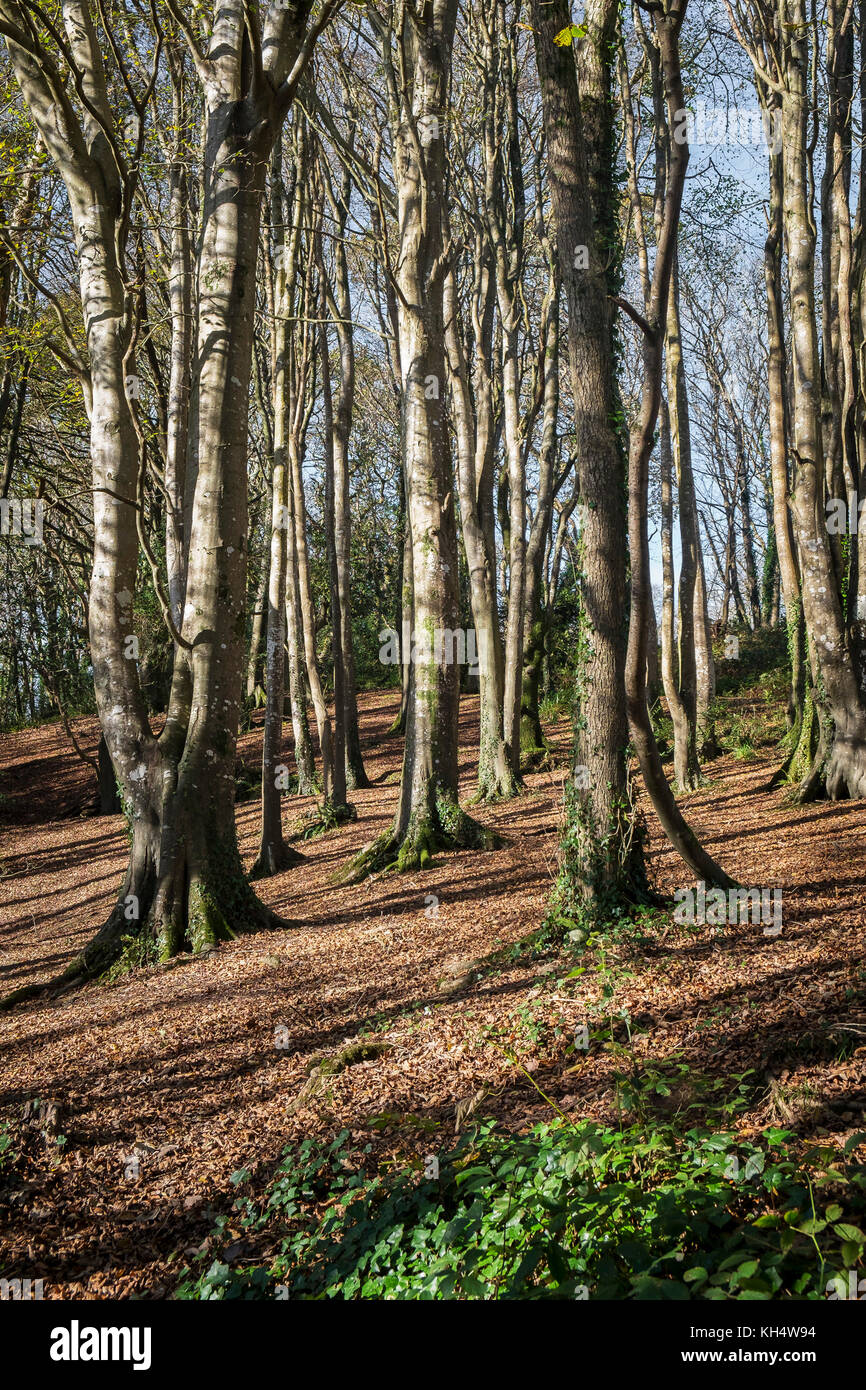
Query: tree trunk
{"x": 340, "y": 305}
{"x": 687, "y": 770}
{"x": 844, "y": 774}
{"x": 428, "y": 814}
{"x": 778, "y": 429}
{"x": 274, "y": 854}
{"x": 184, "y": 885}
{"x": 602, "y": 860}
{"x": 495, "y": 773}
{"x": 681, "y": 836}
{"x": 255, "y": 667}
{"x": 533, "y": 744}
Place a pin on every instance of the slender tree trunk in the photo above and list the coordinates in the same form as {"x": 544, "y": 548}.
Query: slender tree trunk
{"x": 340, "y": 304}
{"x": 778, "y": 423}
{"x": 303, "y": 746}
{"x": 428, "y": 815}
{"x": 495, "y": 773}
{"x": 602, "y": 859}
{"x": 686, "y": 767}
{"x": 667, "y": 27}
{"x": 533, "y": 744}
{"x": 705, "y": 665}
{"x": 686, "y": 774}
{"x": 304, "y": 594}
{"x": 255, "y": 666}
{"x": 180, "y": 301}
{"x": 274, "y": 854}
{"x": 338, "y": 790}
{"x": 653, "y": 669}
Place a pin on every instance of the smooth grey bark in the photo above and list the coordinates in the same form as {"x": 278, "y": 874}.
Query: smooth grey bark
{"x": 286, "y": 210}
{"x": 505, "y": 208}
{"x": 428, "y": 816}
{"x": 532, "y": 740}
{"x": 184, "y": 884}
{"x": 339, "y": 298}
{"x": 300, "y": 408}
{"x": 495, "y": 773}
{"x": 182, "y": 325}
{"x": 686, "y": 767}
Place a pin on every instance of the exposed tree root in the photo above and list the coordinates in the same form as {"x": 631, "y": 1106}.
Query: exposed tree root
{"x": 185, "y": 907}
{"x": 447, "y": 827}
{"x": 275, "y": 859}
{"x": 496, "y": 782}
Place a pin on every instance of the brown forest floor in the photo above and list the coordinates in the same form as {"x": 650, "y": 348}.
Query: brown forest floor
{"x": 180, "y": 1067}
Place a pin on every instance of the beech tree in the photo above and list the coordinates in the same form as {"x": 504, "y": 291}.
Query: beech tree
{"x": 784, "y": 48}
{"x": 184, "y": 883}
{"x": 416, "y": 46}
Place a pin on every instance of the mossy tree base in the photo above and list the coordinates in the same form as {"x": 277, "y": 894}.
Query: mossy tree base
{"x": 446, "y": 827}
{"x": 689, "y": 782}
{"x": 198, "y": 899}
{"x": 804, "y": 768}
{"x": 800, "y": 754}
{"x": 496, "y": 779}
{"x": 534, "y": 747}
{"x": 838, "y": 768}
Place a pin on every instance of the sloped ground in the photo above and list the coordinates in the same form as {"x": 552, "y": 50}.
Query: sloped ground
{"x": 155, "y": 1090}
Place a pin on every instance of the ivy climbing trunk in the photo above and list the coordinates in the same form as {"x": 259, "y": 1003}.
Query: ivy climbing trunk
{"x": 602, "y": 858}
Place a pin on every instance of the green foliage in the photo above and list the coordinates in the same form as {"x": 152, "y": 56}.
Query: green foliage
{"x": 570, "y": 1210}
{"x": 762, "y": 659}
{"x": 753, "y": 691}
{"x": 8, "y": 1156}
{"x": 555, "y": 706}
{"x": 566, "y": 37}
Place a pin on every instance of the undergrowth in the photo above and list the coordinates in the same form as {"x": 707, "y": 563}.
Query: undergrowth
{"x": 569, "y": 1210}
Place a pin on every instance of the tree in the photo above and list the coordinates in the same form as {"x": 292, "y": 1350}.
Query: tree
{"x": 184, "y": 885}
{"x": 604, "y": 858}
{"x": 416, "y": 45}
{"x": 668, "y": 22}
